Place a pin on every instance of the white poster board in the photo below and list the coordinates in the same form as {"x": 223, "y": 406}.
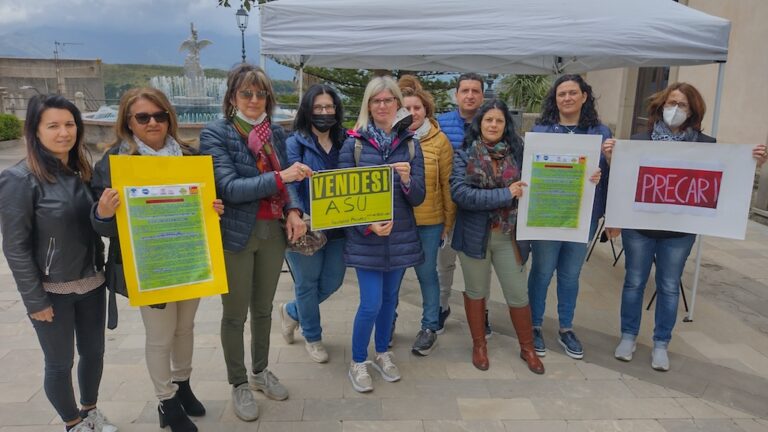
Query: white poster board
{"x": 691, "y": 187}
{"x": 557, "y": 204}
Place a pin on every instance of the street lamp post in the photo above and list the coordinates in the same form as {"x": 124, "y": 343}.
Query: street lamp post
{"x": 242, "y": 24}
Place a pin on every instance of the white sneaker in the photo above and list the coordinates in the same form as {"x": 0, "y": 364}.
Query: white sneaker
{"x": 626, "y": 348}
{"x": 244, "y": 404}
{"x": 99, "y": 421}
{"x": 659, "y": 357}
{"x": 317, "y": 351}
{"x": 83, "y": 426}
{"x": 360, "y": 378}
{"x": 288, "y": 325}
{"x": 386, "y": 367}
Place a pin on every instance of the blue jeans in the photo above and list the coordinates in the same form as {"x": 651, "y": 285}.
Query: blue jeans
{"x": 378, "y": 298}
{"x": 568, "y": 259}
{"x": 427, "y": 274}
{"x": 316, "y": 277}
{"x": 670, "y": 255}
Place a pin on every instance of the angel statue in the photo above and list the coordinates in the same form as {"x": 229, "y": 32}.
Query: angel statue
{"x": 192, "y": 69}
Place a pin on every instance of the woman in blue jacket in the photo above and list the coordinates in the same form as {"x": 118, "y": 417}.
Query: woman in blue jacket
{"x": 486, "y": 186}
{"x": 251, "y": 172}
{"x": 569, "y": 107}
{"x": 315, "y": 142}
{"x": 380, "y": 252}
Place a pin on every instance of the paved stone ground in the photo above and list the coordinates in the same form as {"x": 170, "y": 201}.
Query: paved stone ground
{"x": 718, "y": 381}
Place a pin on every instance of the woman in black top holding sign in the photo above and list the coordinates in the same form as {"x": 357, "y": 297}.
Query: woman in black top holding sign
{"x": 674, "y": 114}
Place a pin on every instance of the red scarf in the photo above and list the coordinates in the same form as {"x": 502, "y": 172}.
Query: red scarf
{"x": 260, "y": 144}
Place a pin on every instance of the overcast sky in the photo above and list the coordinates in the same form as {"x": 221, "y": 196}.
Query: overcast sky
{"x": 123, "y": 15}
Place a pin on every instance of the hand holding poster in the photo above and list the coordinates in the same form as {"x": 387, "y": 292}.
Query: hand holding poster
{"x": 558, "y": 202}
{"x": 697, "y": 188}
{"x": 170, "y": 235}
{"x": 350, "y": 196}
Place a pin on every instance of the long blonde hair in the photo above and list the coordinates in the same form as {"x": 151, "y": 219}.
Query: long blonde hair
{"x": 374, "y": 87}
{"x": 124, "y": 133}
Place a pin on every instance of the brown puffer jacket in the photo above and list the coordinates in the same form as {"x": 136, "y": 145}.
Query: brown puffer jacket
{"x": 438, "y": 163}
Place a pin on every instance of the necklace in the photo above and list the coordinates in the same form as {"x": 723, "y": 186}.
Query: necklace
{"x": 571, "y": 129}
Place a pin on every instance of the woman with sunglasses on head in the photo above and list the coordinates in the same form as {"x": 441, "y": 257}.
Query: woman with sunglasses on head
{"x": 146, "y": 126}
{"x": 252, "y": 174}
{"x": 568, "y": 108}
{"x": 316, "y": 140}
{"x": 56, "y": 257}
{"x": 380, "y": 252}
{"x": 675, "y": 114}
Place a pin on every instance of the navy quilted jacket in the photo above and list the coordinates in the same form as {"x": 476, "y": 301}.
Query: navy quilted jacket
{"x": 473, "y": 207}
{"x": 402, "y": 248}
{"x": 238, "y": 182}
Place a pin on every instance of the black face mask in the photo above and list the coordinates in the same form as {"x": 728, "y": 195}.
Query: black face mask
{"x": 323, "y": 122}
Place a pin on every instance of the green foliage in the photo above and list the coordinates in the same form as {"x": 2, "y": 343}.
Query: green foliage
{"x": 119, "y": 78}
{"x": 10, "y": 127}
{"x": 525, "y": 91}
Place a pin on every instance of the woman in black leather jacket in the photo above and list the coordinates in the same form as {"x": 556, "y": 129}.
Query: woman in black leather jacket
{"x": 56, "y": 257}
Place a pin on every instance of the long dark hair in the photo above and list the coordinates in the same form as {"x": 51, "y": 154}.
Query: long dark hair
{"x": 41, "y": 162}
{"x": 509, "y": 136}
{"x": 303, "y": 121}
{"x": 551, "y": 115}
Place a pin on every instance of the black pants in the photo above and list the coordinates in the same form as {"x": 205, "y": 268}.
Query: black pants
{"x": 76, "y": 317}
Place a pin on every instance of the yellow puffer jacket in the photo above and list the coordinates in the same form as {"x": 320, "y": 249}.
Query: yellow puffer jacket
{"x": 438, "y": 207}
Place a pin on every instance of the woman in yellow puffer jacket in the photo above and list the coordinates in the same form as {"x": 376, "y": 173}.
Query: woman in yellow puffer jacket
{"x": 435, "y": 216}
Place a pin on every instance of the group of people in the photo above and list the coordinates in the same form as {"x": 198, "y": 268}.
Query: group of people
{"x": 456, "y": 187}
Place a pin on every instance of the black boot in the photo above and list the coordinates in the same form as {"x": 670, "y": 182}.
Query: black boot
{"x": 172, "y": 414}
{"x": 191, "y": 405}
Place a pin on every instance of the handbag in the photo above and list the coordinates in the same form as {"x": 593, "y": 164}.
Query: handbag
{"x": 310, "y": 242}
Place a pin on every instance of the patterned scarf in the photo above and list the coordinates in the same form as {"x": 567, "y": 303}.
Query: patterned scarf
{"x": 171, "y": 148}
{"x": 259, "y": 138}
{"x": 481, "y": 174}
{"x": 423, "y": 130}
{"x": 381, "y": 137}
{"x": 662, "y": 132}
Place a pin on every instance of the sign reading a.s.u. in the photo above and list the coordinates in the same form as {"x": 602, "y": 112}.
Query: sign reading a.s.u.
{"x": 350, "y": 196}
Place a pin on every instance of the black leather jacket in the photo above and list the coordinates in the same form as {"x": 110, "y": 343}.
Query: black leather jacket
{"x": 47, "y": 233}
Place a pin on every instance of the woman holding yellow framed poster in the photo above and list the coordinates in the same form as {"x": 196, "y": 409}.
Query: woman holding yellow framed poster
{"x": 146, "y": 125}
{"x": 251, "y": 170}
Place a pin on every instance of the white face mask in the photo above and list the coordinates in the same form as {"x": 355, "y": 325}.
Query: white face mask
{"x": 674, "y": 116}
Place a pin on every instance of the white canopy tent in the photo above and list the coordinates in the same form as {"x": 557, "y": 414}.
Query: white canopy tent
{"x": 495, "y": 36}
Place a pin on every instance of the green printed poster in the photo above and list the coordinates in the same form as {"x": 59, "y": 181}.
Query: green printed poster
{"x": 168, "y": 235}
{"x": 557, "y": 183}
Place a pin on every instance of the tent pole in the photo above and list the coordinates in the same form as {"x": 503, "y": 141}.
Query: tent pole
{"x": 715, "y": 121}
{"x": 301, "y": 80}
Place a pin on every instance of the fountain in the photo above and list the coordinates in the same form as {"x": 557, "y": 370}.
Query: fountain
{"x": 196, "y": 98}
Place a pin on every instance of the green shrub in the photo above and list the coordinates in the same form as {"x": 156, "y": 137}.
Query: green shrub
{"x": 10, "y": 127}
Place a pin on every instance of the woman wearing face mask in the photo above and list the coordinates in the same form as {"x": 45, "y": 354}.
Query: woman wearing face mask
{"x": 315, "y": 142}
{"x": 435, "y": 216}
{"x": 252, "y": 171}
{"x": 674, "y": 114}
{"x": 380, "y": 252}
{"x": 146, "y": 125}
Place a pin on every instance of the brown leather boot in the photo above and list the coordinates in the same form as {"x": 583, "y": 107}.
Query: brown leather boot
{"x": 475, "y": 310}
{"x": 521, "y": 320}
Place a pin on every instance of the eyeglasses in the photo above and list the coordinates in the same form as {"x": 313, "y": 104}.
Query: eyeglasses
{"x": 681, "y": 105}
{"x": 383, "y": 101}
{"x": 318, "y": 109}
{"x": 160, "y": 117}
{"x": 249, "y": 94}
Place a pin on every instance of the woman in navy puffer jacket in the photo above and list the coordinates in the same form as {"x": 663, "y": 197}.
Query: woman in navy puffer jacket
{"x": 380, "y": 252}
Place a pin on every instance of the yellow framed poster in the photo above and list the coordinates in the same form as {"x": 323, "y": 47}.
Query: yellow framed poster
{"x": 350, "y": 196}
{"x": 170, "y": 237}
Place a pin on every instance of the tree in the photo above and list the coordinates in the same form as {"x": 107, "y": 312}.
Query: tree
{"x": 525, "y": 91}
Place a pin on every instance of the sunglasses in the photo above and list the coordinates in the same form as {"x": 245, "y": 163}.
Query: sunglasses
{"x": 249, "y": 94}
{"x": 160, "y": 117}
